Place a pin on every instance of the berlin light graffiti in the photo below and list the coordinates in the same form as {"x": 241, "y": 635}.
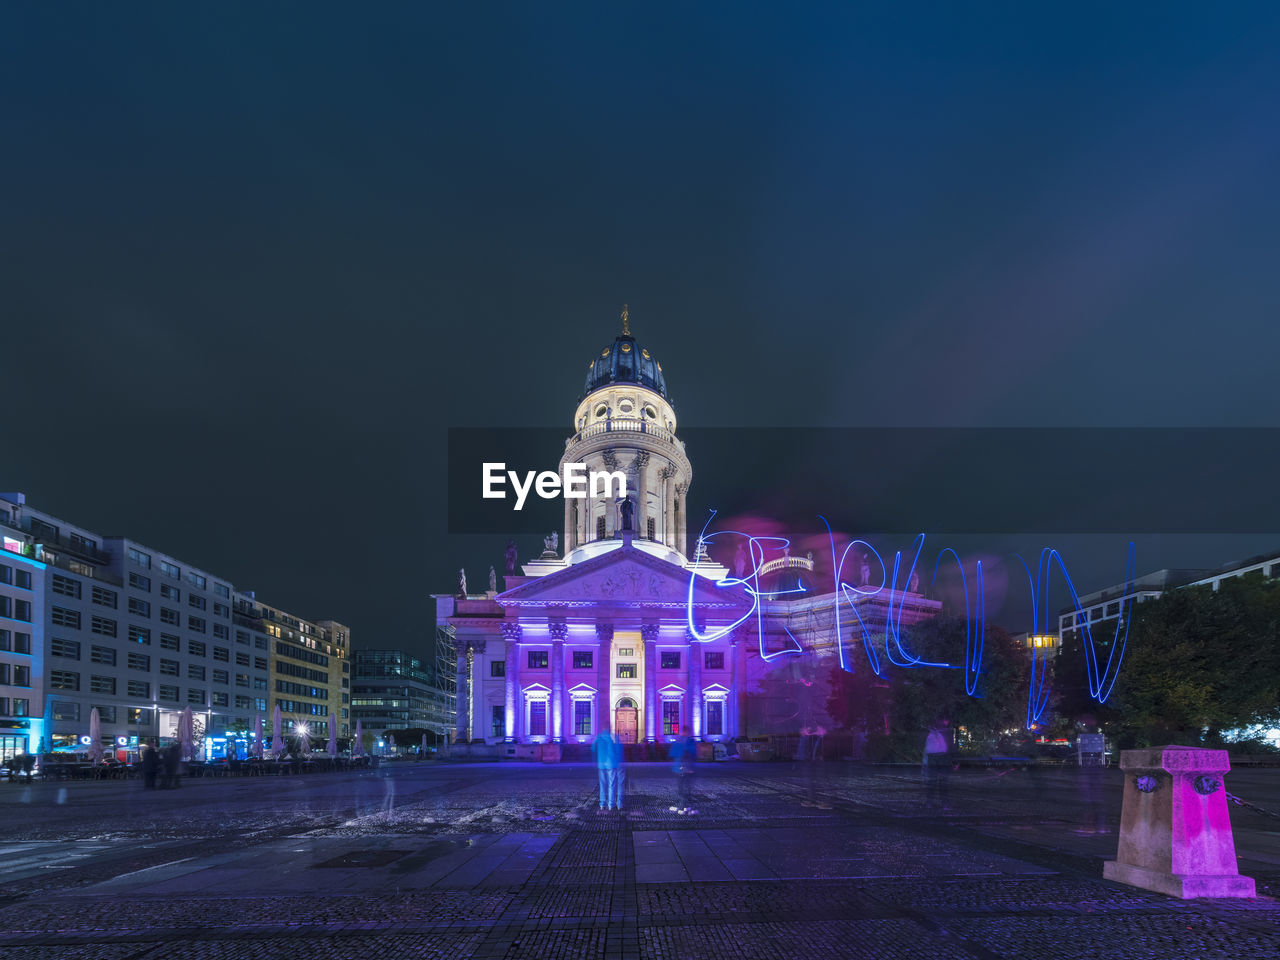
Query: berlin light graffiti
{"x": 849, "y": 625}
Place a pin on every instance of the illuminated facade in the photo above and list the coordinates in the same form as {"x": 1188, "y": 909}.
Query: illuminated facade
{"x": 597, "y": 636}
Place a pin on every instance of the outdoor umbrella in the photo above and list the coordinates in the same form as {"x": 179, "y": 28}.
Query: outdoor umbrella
{"x": 357, "y": 750}
{"x": 257, "y": 737}
{"x": 186, "y": 733}
{"x": 95, "y": 736}
{"x": 333, "y": 735}
{"x": 277, "y": 738}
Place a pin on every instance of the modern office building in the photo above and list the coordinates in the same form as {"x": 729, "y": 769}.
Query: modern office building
{"x": 393, "y": 690}
{"x": 110, "y": 623}
{"x": 595, "y": 634}
{"x": 1107, "y": 604}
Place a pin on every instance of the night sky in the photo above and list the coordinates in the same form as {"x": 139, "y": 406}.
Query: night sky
{"x": 255, "y": 262}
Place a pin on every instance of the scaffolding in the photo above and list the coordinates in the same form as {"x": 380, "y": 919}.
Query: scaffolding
{"x": 444, "y": 699}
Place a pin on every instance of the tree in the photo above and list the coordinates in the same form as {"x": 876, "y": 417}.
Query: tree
{"x": 1200, "y": 664}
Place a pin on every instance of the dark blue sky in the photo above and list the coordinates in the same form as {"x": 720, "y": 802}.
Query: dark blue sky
{"x": 254, "y": 261}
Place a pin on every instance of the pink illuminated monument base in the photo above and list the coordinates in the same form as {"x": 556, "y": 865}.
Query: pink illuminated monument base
{"x": 1175, "y": 831}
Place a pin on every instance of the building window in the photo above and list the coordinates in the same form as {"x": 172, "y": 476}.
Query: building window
{"x": 139, "y": 661}
{"x": 196, "y": 601}
{"x": 66, "y": 587}
{"x": 21, "y": 676}
{"x": 169, "y": 616}
{"x": 64, "y": 680}
{"x": 169, "y": 668}
{"x": 223, "y": 654}
{"x": 170, "y": 641}
{"x": 652, "y": 529}
{"x": 107, "y": 714}
{"x": 497, "y": 668}
{"x": 715, "y": 718}
{"x": 538, "y": 718}
{"x": 103, "y": 655}
{"x": 170, "y": 592}
{"x": 4, "y": 674}
{"x": 497, "y": 720}
{"x": 70, "y": 649}
{"x": 538, "y": 659}
{"x": 102, "y": 684}
{"x": 222, "y": 590}
{"x": 626, "y": 671}
{"x": 104, "y": 597}
{"x": 101, "y": 626}
{"x": 140, "y": 608}
{"x": 139, "y": 635}
{"x": 195, "y": 695}
{"x": 195, "y": 671}
{"x": 140, "y": 688}
{"x": 169, "y": 692}
{"x": 139, "y": 582}
{"x": 582, "y": 718}
{"x": 196, "y": 624}
{"x": 714, "y": 659}
{"x": 62, "y": 617}
{"x": 21, "y": 707}
{"x": 21, "y": 642}
{"x": 626, "y": 651}
{"x": 670, "y": 659}
{"x": 221, "y": 631}
{"x": 670, "y": 718}
{"x": 138, "y": 716}
{"x": 221, "y": 676}
{"x": 582, "y": 660}
{"x": 22, "y": 610}
{"x": 170, "y": 569}
{"x": 196, "y": 648}
{"x": 220, "y": 699}
{"x": 138, "y": 558}
{"x": 66, "y": 710}
{"x": 195, "y": 579}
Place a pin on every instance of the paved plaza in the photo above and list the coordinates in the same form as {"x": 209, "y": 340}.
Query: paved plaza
{"x": 781, "y": 860}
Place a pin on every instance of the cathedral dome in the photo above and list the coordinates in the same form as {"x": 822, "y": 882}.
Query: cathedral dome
{"x": 625, "y": 362}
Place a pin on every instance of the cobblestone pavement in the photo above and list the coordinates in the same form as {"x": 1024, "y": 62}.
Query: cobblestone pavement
{"x": 516, "y": 860}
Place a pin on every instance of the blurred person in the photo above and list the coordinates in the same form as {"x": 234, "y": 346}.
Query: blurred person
{"x": 684, "y": 753}
{"x": 937, "y": 763}
{"x": 150, "y": 766}
{"x": 603, "y": 748}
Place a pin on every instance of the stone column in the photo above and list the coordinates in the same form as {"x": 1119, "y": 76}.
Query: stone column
{"x": 681, "y": 492}
{"x": 649, "y": 635}
{"x": 641, "y": 516}
{"x": 463, "y": 732}
{"x": 511, "y": 636}
{"x": 695, "y": 687}
{"x": 604, "y": 657}
{"x": 558, "y": 629}
{"x": 739, "y": 697}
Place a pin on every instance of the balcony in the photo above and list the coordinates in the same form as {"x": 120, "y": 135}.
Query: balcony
{"x": 626, "y": 425}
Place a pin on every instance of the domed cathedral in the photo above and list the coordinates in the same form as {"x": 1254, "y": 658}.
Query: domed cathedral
{"x": 593, "y": 635}
{"x": 625, "y": 422}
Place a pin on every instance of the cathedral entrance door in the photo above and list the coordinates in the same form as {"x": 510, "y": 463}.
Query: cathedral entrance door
{"x": 626, "y": 722}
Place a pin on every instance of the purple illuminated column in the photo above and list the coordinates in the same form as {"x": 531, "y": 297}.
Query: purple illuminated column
{"x": 558, "y": 629}
{"x": 695, "y": 686}
{"x": 511, "y": 634}
{"x": 604, "y": 658}
{"x": 649, "y": 634}
{"x": 739, "y": 684}
{"x": 463, "y": 733}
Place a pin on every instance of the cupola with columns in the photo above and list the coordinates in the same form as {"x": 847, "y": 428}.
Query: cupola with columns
{"x": 625, "y": 422}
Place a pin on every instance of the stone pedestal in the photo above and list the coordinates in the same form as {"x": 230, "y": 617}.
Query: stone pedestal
{"x": 1175, "y": 830}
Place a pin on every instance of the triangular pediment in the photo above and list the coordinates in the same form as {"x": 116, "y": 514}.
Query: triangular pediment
{"x": 627, "y": 577}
